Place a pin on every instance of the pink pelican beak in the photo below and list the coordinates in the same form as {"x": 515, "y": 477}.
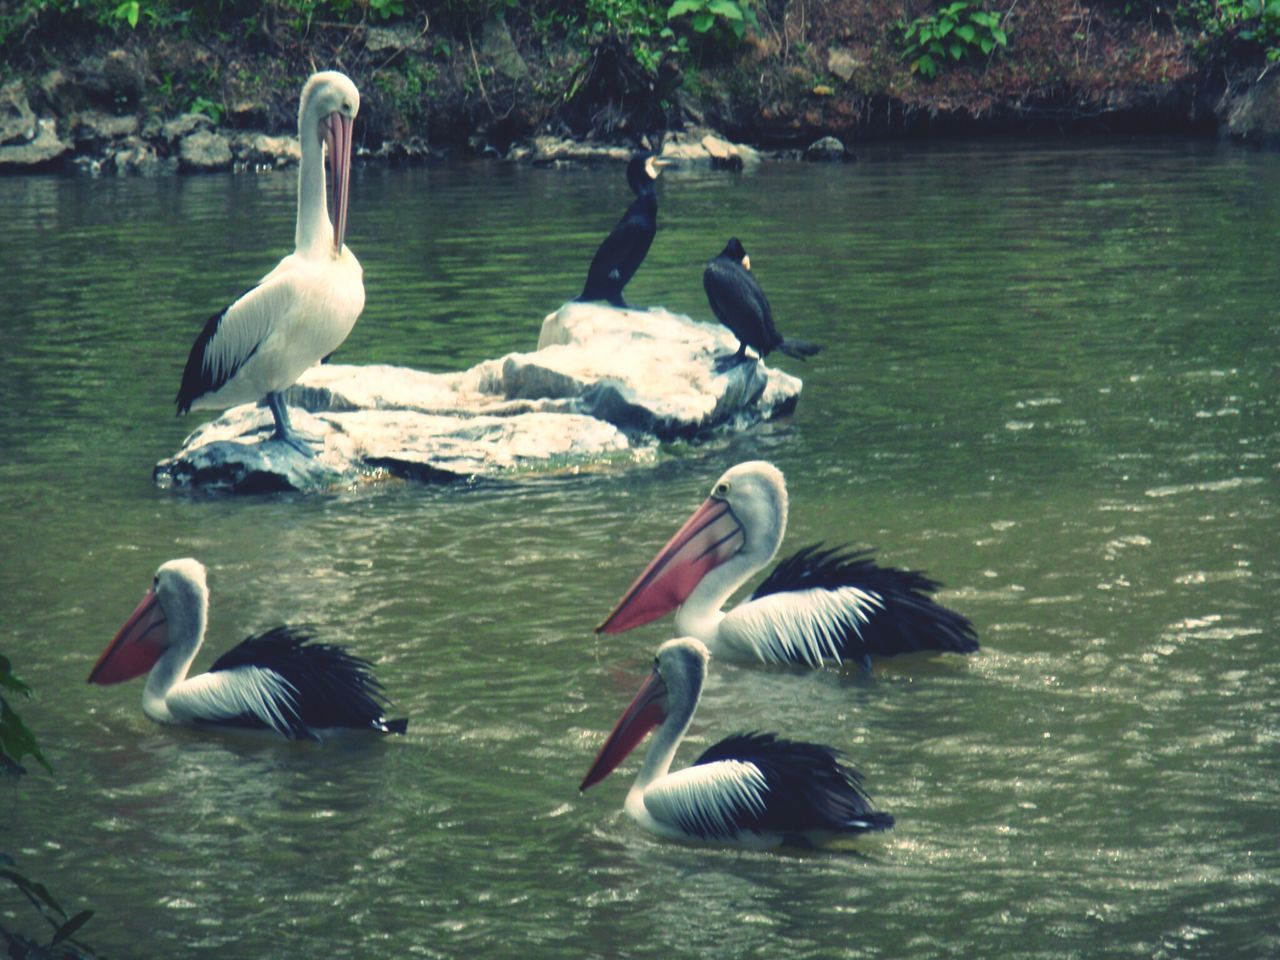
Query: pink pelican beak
{"x": 136, "y": 647}
{"x": 648, "y": 709}
{"x": 708, "y": 538}
{"x": 337, "y": 140}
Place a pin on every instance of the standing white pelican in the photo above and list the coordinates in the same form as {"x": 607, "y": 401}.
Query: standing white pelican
{"x": 277, "y": 681}
{"x": 301, "y": 311}
{"x": 750, "y": 789}
{"x": 817, "y": 608}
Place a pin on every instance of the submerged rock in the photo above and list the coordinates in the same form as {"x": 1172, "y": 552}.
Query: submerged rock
{"x": 603, "y": 385}
{"x": 826, "y": 150}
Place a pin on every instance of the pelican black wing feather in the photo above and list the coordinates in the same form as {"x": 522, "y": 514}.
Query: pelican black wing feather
{"x": 807, "y": 786}
{"x": 197, "y": 378}
{"x": 908, "y": 618}
{"x": 332, "y": 687}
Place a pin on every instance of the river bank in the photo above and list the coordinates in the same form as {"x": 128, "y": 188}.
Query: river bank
{"x": 174, "y": 95}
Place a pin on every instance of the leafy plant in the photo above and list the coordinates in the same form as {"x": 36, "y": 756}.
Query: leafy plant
{"x": 16, "y": 742}
{"x": 210, "y": 108}
{"x": 638, "y": 22}
{"x": 386, "y": 9}
{"x": 951, "y": 33}
{"x": 1253, "y": 21}
{"x": 730, "y": 17}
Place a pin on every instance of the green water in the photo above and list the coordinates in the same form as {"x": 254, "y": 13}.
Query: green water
{"x": 1049, "y": 380}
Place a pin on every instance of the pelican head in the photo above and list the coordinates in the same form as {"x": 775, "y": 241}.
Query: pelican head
{"x": 743, "y": 521}
{"x": 178, "y": 594}
{"x": 671, "y": 690}
{"x": 328, "y": 108}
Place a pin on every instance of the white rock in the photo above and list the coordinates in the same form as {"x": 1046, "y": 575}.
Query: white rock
{"x": 604, "y": 385}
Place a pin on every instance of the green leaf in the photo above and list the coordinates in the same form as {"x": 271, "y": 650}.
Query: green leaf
{"x": 71, "y": 926}
{"x": 926, "y": 66}
{"x": 945, "y": 27}
{"x": 954, "y": 9}
{"x": 984, "y": 18}
{"x": 681, "y": 7}
{"x": 8, "y": 680}
{"x": 956, "y": 50}
{"x": 33, "y": 891}
{"x": 725, "y": 8}
{"x": 16, "y": 741}
{"x": 703, "y": 22}
{"x": 926, "y": 34}
{"x": 966, "y": 33}
{"x": 987, "y": 44}
{"x": 1000, "y": 36}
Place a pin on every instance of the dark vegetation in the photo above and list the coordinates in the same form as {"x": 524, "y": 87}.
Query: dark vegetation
{"x": 486, "y": 73}
{"x": 16, "y": 743}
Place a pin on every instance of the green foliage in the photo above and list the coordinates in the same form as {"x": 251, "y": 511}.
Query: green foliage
{"x": 210, "y": 108}
{"x": 949, "y": 34}
{"x": 639, "y": 22}
{"x": 1256, "y": 22}
{"x": 62, "y": 944}
{"x": 16, "y": 741}
{"x": 730, "y": 18}
{"x": 129, "y": 11}
{"x": 386, "y": 9}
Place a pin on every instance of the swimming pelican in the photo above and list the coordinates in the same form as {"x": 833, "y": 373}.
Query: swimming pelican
{"x": 301, "y": 311}
{"x": 817, "y": 608}
{"x": 751, "y": 789}
{"x": 278, "y": 681}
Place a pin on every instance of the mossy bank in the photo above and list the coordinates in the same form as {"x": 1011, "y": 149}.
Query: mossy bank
{"x": 154, "y": 86}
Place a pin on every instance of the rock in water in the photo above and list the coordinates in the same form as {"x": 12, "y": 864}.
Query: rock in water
{"x": 604, "y": 385}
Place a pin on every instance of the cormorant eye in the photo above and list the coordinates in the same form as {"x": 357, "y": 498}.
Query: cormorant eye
{"x": 722, "y": 489}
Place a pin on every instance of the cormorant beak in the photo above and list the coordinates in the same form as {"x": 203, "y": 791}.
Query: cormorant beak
{"x": 655, "y": 165}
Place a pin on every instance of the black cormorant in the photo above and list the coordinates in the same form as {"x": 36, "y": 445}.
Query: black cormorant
{"x": 740, "y": 304}
{"x": 624, "y": 249}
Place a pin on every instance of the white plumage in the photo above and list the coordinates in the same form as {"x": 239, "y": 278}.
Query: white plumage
{"x": 796, "y": 627}
{"x": 303, "y": 310}
{"x": 816, "y": 608}
{"x": 279, "y": 681}
{"x": 225, "y": 695}
{"x": 749, "y": 790}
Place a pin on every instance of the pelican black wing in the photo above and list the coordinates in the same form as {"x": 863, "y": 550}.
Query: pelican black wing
{"x": 807, "y": 785}
{"x": 331, "y": 687}
{"x": 908, "y": 618}
{"x": 197, "y": 377}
